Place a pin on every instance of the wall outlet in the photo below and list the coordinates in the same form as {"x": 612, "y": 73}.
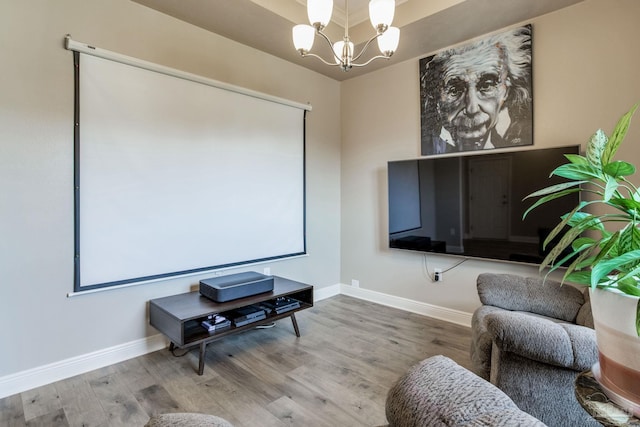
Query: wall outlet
{"x": 266, "y": 271}
{"x": 437, "y": 274}
{"x": 355, "y": 283}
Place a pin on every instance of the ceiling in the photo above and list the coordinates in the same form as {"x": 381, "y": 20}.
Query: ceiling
{"x": 426, "y": 26}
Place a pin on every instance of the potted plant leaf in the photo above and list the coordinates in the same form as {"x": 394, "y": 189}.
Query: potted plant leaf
{"x": 598, "y": 243}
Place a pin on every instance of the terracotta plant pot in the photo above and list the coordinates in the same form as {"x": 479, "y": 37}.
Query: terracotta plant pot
{"x": 618, "y": 370}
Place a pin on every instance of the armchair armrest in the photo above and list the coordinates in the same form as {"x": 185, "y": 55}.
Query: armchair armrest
{"x": 535, "y": 338}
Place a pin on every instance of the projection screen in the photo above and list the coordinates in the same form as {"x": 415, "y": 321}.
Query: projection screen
{"x": 175, "y": 176}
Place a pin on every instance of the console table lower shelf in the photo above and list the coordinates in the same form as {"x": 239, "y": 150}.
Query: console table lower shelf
{"x": 179, "y": 317}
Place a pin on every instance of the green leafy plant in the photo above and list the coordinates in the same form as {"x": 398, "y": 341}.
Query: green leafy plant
{"x": 596, "y": 256}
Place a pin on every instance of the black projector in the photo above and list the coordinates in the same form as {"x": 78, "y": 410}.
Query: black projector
{"x": 234, "y": 286}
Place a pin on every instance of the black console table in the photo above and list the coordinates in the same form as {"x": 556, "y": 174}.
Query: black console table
{"x": 179, "y": 316}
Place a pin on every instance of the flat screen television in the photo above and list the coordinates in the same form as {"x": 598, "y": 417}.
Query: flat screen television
{"x": 472, "y": 205}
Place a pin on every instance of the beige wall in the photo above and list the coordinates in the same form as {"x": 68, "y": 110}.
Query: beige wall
{"x": 40, "y": 325}
{"x": 585, "y": 69}
{"x": 585, "y": 75}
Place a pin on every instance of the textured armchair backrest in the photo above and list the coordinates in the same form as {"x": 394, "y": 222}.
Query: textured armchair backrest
{"x": 531, "y": 294}
{"x": 585, "y": 315}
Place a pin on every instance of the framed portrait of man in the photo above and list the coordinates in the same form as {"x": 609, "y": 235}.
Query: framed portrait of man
{"x": 478, "y": 96}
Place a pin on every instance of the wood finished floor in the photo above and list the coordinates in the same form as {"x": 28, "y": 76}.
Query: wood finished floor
{"x": 336, "y": 374}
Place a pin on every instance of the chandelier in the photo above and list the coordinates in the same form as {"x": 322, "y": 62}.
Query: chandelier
{"x": 319, "y": 11}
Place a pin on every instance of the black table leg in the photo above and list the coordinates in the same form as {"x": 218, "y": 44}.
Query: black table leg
{"x": 295, "y": 324}
{"x": 203, "y": 348}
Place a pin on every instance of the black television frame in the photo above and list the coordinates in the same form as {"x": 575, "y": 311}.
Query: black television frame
{"x": 447, "y": 226}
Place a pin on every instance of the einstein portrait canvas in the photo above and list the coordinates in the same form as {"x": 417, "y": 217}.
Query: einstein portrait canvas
{"x": 478, "y": 96}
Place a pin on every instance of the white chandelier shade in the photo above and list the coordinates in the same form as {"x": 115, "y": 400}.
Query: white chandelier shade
{"x": 319, "y": 11}
{"x": 340, "y": 50}
{"x": 381, "y": 13}
{"x": 388, "y": 42}
{"x": 303, "y": 36}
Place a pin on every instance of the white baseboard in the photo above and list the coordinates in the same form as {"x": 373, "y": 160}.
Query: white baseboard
{"x": 326, "y": 292}
{"x": 42, "y": 375}
{"x": 446, "y": 314}
{"x": 47, "y": 374}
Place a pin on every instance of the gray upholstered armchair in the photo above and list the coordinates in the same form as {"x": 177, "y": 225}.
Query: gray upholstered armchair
{"x": 531, "y": 339}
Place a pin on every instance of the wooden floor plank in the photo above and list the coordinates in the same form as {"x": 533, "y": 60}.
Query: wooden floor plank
{"x": 293, "y": 414}
{"x": 119, "y": 404}
{"x": 358, "y": 405}
{"x": 318, "y": 401}
{"x": 238, "y": 404}
{"x": 41, "y": 401}
{"x": 81, "y": 406}
{"x": 55, "y": 418}
{"x": 337, "y": 373}
{"x": 156, "y": 400}
{"x": 12, "y": 412}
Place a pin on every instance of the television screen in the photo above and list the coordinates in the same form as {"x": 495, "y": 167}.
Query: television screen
{"x": 472, "y": 205}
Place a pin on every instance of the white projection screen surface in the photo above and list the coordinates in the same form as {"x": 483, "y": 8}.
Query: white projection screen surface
{"x": 175, "y": 177}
